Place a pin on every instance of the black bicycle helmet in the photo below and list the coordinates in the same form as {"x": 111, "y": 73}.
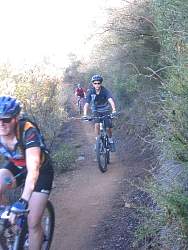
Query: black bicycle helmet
{"x": 9, "y": 107}
{"x": 97, "y": 78}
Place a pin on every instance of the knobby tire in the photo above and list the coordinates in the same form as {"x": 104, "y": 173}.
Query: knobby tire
{"x": 51, "y": 213}
{"x": 80, "y": 109}
{"x": 101, "y": 153}
{"x": 108, "y": 156}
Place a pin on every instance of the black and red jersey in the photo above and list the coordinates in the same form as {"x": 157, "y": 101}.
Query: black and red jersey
{"x": 30, "y": 138}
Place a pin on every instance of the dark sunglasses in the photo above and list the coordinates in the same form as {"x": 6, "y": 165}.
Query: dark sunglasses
{"x": 6, "y": 120}
{"x": 95, "y": 83}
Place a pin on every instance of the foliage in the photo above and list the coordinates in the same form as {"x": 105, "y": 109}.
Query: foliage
{"x": 43, "y": 98}
{"x": 63, "y": 158}
{"x": 44, "y": 103}
{"x": 170, "y": 130}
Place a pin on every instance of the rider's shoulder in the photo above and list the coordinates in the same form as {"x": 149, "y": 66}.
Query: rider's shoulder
{"x": 90, "y": 90}
{"x": 104, "y": 89}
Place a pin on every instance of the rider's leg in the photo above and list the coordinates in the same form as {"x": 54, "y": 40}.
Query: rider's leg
{"x": 111, "y": 141}
{"x": 110, "y": 132}
{"x": 97, "y": 129}
{"x": 6, "y": 182}
{"x": 82, "y": 102}
{"x": 37, "y": 204}
{"x": 97, "y": 132}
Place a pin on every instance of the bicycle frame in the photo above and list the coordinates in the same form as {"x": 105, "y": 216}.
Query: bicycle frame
{"x": 103, "y": 133}
{"x": 13, "y": 240}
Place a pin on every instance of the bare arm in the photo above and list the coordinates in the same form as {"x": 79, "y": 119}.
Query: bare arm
{"x": 33, "y": 165}
{"x": 112, "y": 103}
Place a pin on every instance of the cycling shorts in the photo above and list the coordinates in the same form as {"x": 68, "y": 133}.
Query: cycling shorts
{"x": 108, "y": 120}
{"x": 45, "y": 179}
{"x": 80, "y": 96}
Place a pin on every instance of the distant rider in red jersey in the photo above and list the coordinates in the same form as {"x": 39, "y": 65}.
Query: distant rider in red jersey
{"x": 79, "y": 93}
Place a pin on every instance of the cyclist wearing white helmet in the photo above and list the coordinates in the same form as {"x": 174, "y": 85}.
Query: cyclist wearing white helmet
{"x": 102, "y": 103}
{"x": 27, "y": 160}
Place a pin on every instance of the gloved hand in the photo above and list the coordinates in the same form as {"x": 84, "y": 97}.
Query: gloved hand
{"x": 19, "y": 206}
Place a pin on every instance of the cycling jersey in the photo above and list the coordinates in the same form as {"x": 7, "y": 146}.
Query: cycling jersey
{"x": 80, "y": 92}
{"x": 99, "y": 102}
{"x": 16, "y": 161}
{"x": 17, "y": 155}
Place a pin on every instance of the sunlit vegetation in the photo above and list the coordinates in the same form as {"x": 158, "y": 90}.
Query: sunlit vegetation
{"x": 43, "y": 98}
{"x": 64, "y": 158}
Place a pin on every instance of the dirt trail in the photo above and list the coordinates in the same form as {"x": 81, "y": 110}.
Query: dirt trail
{"x": 84, "y": 196}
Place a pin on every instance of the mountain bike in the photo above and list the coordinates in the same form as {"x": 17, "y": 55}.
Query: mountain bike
{"x": 15, "y": 236}
{"x": 102, "y": 143}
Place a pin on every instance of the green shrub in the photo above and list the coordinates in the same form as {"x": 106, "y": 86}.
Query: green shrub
{"x": 63, "y": 158}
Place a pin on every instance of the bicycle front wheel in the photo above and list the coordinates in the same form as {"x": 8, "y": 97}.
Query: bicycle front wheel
{"x": 101, "y": 152}
{"x": 80, "y": 109}
{"x": 48, "y": 224}
{"x": 108, "y": 156}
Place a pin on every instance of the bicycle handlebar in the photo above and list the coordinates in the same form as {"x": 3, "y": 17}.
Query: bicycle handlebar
{"x": 6, "y": 210}
{"x": 91, "y": 118}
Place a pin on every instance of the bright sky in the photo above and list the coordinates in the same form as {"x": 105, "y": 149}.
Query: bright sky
{"x": 32, "y": 29}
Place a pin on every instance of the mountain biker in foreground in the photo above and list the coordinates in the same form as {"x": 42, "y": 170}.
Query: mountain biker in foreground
{"x": 102, "y": 103}
{"x": 24, "y": 153}
{"x": 79, "y": 92}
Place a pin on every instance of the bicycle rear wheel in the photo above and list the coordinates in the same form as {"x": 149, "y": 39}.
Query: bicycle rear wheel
{"x": 101, "y": 152}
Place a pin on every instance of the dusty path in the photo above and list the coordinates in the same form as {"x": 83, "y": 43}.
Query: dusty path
{"x": 84, "y": 196}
